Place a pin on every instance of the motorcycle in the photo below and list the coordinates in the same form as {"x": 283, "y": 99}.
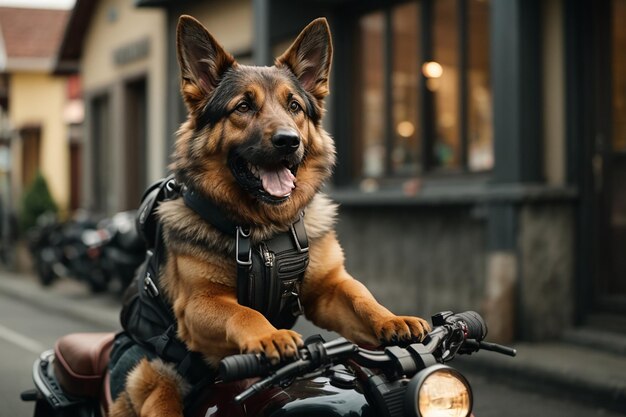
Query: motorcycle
{"x": 60, "y": 250}
{"x": 41, "y": 243}
{"x": 120, "y": 248}
{"x": 335, "y": 378}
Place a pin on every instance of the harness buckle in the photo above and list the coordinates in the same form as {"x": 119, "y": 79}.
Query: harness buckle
{"x": 150, "y": 286}
{"x": 299, "y": 234}
{"x": 171, "y": 188}
{"x": 294, "y": 292}
{"x": 243, "y": 234}
{"x": 298, "y": 310}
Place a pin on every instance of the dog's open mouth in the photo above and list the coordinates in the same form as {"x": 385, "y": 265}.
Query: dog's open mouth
{"x": 270, "y": 183}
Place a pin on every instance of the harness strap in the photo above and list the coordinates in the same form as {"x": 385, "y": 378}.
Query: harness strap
{"x": 243, "y": 253}
{"x": 166, "y": 344}
{"x": 299, "y": 234}
{"x": 206, "y": 209}
{"x": 189, "y": 364}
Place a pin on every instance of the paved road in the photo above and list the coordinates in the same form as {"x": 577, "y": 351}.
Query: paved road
{"x": 25, "y": 331}
{"x": 28, "y": 326}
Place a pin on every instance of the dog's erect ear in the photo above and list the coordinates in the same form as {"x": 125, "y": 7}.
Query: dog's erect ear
{"x": 202, "y": 61}
{"x": 309, "y": 57}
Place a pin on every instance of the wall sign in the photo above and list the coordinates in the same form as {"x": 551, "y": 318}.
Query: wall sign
{"x": 132, "y": 52}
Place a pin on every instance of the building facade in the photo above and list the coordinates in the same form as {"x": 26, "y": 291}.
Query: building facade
{"x": 34, "y": 130}
{"x": 481, "y": 146}
{"x": 119, "y": 51}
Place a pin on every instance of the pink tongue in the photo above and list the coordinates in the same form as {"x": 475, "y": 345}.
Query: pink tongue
{"x": 278, "y": 183}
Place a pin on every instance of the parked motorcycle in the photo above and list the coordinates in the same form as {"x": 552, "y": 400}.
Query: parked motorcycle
{"x": 42, "y": 245}
{"x": 59, "y": 250}
{"x": 120, "y": 247}
{"x": 335, "y": 378}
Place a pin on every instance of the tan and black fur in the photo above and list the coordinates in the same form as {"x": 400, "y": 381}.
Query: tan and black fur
{"x": 238, "y": 110}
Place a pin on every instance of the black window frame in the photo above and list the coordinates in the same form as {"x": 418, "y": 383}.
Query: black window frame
{"x": 346, "y": 101}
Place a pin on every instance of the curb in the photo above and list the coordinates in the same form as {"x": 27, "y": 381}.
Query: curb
{"x": 570, "y": 372}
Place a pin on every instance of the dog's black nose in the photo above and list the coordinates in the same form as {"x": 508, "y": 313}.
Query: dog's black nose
{"x": 286, "y": 140}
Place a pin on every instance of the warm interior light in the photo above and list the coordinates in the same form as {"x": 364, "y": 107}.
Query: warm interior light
{"x": 432, "y": 69}
{"x": 405, "y": 129}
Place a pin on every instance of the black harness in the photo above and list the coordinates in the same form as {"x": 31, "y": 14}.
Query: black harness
{"x": 269, "y": 275}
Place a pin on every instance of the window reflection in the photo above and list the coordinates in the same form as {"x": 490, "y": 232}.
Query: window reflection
{"x": 405, "y": 78}
{"x": 372, "y": 93}
{"x": 479, "y": 116}
{"x": 425, "y": 103}
{"x": 446, "y": 144}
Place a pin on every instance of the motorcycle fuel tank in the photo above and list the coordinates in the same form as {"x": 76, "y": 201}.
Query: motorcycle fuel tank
{"x": 309, "y": 397}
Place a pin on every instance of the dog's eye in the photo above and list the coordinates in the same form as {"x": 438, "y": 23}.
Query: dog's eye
{"x": 294, "y": 106}
{"x": 243, "y": 107}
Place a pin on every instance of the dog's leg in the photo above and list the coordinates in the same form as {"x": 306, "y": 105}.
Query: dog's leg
{"x": 334, "y": 300}
{"x": 152, "y": 389}
{"x": 212, "y": 322}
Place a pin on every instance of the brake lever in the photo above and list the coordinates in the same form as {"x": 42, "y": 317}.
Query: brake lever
{"x": 471, "y": 345}
{"x": 494, "y": 347}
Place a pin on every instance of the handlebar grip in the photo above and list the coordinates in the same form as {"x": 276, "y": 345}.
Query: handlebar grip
{"x": 237, "y": 367}
{"x": 476, "y": 326}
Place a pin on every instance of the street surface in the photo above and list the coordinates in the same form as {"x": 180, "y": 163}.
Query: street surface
{"x": 28, "y": 327}
{"x": 25, "y": 331}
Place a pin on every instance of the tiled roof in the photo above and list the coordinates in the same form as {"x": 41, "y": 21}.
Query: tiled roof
{"x": 30, "y": 35}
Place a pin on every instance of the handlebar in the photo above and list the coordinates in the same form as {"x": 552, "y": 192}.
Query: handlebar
{"x": 244, "y": 366}
{"x": 461, "y": 333}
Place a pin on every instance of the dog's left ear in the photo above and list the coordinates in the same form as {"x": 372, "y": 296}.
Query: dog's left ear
{"x": 309, "y": 57}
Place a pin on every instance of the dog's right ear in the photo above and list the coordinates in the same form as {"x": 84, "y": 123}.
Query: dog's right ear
{"x": 202, "y": 61}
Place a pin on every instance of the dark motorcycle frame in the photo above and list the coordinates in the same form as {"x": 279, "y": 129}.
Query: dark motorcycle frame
{"x": 122, "y": 249}
{"x": 58, "y": 250}
{"x": 336, "y": 378}
{"x": 42, "y": 245}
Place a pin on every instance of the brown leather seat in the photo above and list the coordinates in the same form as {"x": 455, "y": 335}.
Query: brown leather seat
{"x": 81, "y": 362}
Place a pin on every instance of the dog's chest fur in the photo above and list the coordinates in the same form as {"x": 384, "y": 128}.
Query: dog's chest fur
{"x": 187, "y": 234}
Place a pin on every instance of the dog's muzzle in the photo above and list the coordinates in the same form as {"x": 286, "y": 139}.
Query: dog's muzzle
{"x": 271, "y": 184}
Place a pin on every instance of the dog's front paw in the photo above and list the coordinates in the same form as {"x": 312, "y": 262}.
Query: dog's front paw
{"x": 401, "y": 329}
{"x": 277, "y": 345}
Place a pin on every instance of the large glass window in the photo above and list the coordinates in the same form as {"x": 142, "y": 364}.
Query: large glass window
{"x": 371, "y": 117}
{"x": 479, "y": 112}
{"x": 442, "y": 73}
{"x": 423, "y": 95}
{"x": 405, "y": 80}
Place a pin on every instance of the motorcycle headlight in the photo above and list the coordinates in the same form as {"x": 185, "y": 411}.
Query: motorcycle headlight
{"x": 439, "y": 391}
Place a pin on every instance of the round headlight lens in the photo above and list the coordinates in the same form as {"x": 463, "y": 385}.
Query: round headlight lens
{"x": 444, "y": 393}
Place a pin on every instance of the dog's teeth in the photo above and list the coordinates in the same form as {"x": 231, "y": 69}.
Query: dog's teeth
{"x": 253, "y": 169}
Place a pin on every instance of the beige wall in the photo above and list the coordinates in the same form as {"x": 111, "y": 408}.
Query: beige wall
{"x": 230, "y": 22}
{"x": 114, "y": 25}
{"x": 39, "y": 99}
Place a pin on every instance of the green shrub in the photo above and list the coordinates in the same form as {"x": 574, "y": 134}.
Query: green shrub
{"x": 36, "y": 201}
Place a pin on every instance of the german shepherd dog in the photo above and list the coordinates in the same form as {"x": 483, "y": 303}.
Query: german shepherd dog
{"x": 254, "y": 145}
